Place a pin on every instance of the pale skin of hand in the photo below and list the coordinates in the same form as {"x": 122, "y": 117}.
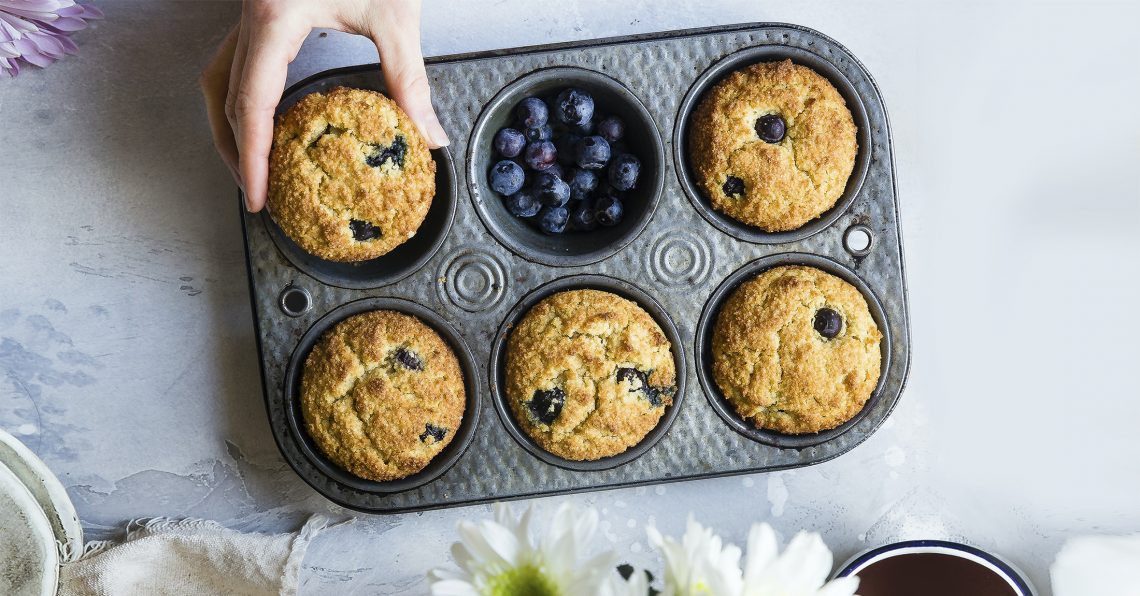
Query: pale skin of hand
{"x": 245, "y": 79}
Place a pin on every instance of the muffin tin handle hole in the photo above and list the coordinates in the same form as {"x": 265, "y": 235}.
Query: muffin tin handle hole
{"x": 295, "y": 301}
{"x": 858, "y": 240}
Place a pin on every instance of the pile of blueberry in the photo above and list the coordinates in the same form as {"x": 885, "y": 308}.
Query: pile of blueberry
{"x": 566, "y": 172}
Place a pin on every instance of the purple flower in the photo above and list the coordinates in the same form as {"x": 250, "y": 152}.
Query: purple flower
{"x": 38, "y": 31}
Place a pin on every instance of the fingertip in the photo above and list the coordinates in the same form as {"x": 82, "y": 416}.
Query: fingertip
{"x": 428, "y": 125}
{"x": 436, "y": 135}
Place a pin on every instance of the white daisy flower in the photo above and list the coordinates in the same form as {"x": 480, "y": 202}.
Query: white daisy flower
{"x": 801, "y": 571}
{"x": 700, "y": 564}
{"x": 501, "y": 558}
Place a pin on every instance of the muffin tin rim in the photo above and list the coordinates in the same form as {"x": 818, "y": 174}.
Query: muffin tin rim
{"x": 476, "y": 180}
{"x": 733, "y": 62}
{"x": 706, "y": 324}
{"x": 438, "y": 465}
{"x": 737, "y": 37}
{"x": 496, "y": 366}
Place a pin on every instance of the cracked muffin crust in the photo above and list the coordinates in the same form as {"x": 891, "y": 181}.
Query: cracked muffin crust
{"x": 795, "y": 350}
{"x": 350, "y": 178}
{"x": 382, "y": 394}
{"x": 772, "y": 145}
{"x": 588, "y": 374}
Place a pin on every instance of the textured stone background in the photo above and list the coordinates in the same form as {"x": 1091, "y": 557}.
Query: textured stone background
{"x": 127, "y": 350}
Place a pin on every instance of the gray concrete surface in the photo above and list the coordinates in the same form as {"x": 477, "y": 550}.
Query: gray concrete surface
{"x": 127, "y": 350}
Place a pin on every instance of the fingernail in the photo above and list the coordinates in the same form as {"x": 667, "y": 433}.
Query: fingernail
{"x": 436, "y": 133}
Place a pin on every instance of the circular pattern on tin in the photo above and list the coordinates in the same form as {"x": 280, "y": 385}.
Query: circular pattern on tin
{"x": 496, "y": 368}
{"x": 394, "y": 266}
{"x": 574, "y": 248}
{"x": 678, "y": 257}
{"x": 736, "y": 61}
{"x": 703, "y": 348}
{"x": 340, "y": 478}
{"x": 472, "y": 280}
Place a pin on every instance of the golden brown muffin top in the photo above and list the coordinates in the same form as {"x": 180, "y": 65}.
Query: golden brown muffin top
{"x": 775, "y": 186}
{"x": 588, "y": 374}
{"x": 382, "y": 394}
{"x": 350, "y": 178}
{"x": 773, "y": 359}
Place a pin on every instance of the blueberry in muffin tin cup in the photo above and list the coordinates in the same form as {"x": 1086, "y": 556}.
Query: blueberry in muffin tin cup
{"x": 572, "y": 248}
{"x": 703, "y": 348}
{"x": 438, "y": 465}
{"x": 497, "y": 367}
{"x": 403, "y": 260}
{"x": 742, "y": 59}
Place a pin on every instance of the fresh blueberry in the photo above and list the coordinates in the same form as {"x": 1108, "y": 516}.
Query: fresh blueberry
{"x": 624, "y": 171}
{"x": 608, "y": 209}
{"x": 583, "y": 130}
{"x": 827, "y": 323}
{"x": 771, "y": 128}
{"x": 592, "y": 153}
{"x": 546, "y": 404}
{"x": 551, "y": 190}
{"x": 507, "y": 177}
{"x": 539, "y": 133}
{"x": 363, "y": 231}
{"x": 583, "y": 217}
{"x": 582, "y": 183}
{"x": 556, "y": 169}
{"x": 553, "y": 220}
{"x": 394, "y": 152}
{"x": 733, "y": 187}
{"x": 523, "y": 204}
{"x": 435, "y": 432}
{"x": 611, "y": 129}
{"x": 574, "y": 107}
{"x": 409, "y": 359}
{"x": 509, "y": 142}
{"x": 565, "y": 144}
{"x": 540, "y": 155}
{"x": 532, "y": 112}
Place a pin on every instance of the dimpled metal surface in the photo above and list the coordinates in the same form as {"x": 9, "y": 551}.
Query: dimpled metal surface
{"x": 472, "y": 281}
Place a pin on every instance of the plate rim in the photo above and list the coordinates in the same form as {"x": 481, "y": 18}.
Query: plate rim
{"x": 53, "y": 499}
{"x": 39, "y": 525}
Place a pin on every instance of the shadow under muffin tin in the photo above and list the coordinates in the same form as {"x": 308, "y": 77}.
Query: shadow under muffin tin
{"x": 469, "y": 272}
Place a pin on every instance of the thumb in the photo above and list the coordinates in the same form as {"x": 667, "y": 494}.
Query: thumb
{"x": 397, "y": 37}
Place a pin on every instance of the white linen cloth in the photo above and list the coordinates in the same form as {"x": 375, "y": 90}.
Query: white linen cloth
{"x": 190, "y": 557}
{"x": 1096, "y": 566}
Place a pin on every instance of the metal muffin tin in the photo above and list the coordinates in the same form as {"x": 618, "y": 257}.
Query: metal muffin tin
{"x": 471, "y": 270}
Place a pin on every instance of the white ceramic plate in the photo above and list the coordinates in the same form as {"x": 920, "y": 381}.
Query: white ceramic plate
{"x": 29, "y": 557}
{"x": 48, "y": 492}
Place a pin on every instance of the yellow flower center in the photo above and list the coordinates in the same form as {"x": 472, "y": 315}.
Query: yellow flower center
{"x": 522, "y": 581}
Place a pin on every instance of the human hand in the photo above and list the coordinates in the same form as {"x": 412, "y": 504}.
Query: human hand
{"x": 245, "y": 79}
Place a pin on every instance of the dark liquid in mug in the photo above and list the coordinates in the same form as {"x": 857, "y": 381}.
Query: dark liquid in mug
{"x": 931, "y": 574}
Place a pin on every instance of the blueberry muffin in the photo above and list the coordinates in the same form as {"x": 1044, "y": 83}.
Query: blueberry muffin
{"x": 588, "y": 374}
{"x": 350, "y": 178}
{"x": 772, "y": 145}
{"x": 795, "y": 350}
{"x": 382, "y": 394}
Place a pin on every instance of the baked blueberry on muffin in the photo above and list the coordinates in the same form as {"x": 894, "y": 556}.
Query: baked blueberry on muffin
{"x": 382, "y": 394}
{"x": 795, "y": 350}
{"x": 350, "y": 178}
{"x": 588, "y": 374}
{"x": 772, "y": 145}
